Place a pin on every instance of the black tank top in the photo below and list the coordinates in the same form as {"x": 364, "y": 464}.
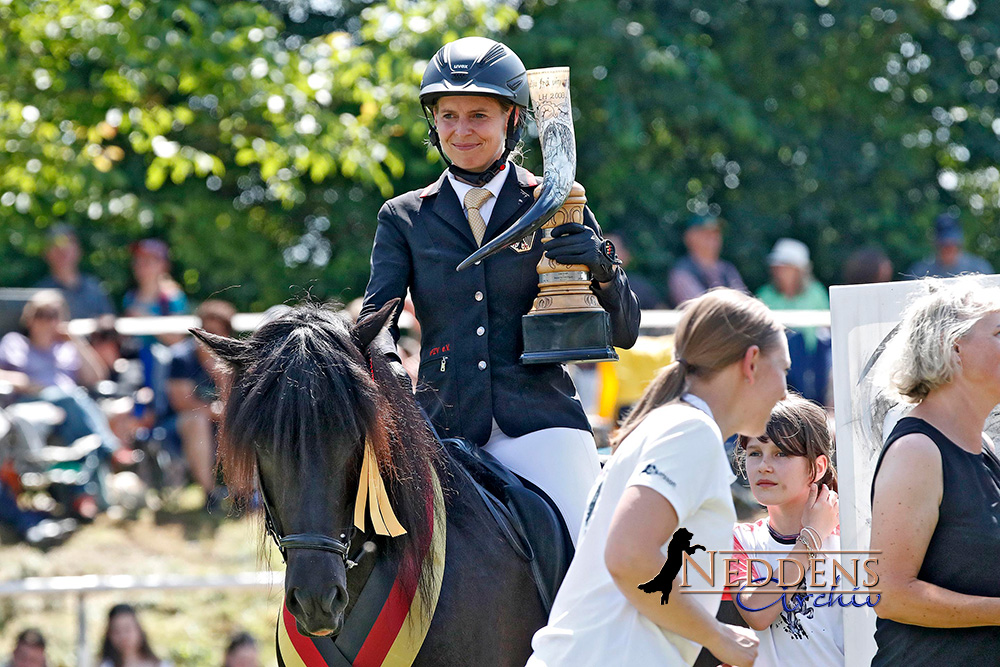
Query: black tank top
{"x": 962, "y": 556}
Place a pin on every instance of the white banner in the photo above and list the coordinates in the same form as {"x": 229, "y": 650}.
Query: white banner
{"x": 863, "y": 319}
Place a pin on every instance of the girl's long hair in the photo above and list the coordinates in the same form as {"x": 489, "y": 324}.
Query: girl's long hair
{"x": 715, "y": 331}
{"x": 110, "y": 652}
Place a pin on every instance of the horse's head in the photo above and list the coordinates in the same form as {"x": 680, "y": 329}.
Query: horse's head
{"x": 302, "y": 401}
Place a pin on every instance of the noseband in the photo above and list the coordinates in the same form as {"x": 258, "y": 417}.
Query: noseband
{"x": 312, "y": 541}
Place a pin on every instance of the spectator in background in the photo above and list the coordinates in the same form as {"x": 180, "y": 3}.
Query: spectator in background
{"x": 37, "y": 529}
{"x": 867, "y": 265}
{"x": 644, "y": 290}
{"x": 29, "y": 650}
{"x": 242, "y": 651}
{"x": 702, "y": 269}
{"x": 193, "y": 390}
{"x": 83, "y": 293}
{"x": 793, "y": 287}
{"x": 53, "y": 365}
{"x": 125, "y": 643}
{"x": 155, "y": 293}
{"x": 949, "y": 259}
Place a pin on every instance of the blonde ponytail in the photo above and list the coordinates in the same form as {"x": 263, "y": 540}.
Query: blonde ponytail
{"x": 715, "y": 331}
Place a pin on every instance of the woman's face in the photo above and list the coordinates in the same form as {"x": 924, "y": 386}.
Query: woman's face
{"x": 787, "y": 279}
{"x": 472, "y": 130}
{"x": 43, "y": 325}
{"x": 979, "y": 351}
{"x": 148, "y": 267}
{"x": 244, "y": 656}
{"x": 776, "y": 478}
{"x": 769, "y": 386}
{"x": 124, "y": 633}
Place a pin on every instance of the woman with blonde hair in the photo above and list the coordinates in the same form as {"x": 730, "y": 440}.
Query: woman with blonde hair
{"x": 936, "y": 491}
{"x": 669, "y": 474}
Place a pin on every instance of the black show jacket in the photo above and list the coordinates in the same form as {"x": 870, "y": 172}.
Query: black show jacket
{"x": 470, "y": 321}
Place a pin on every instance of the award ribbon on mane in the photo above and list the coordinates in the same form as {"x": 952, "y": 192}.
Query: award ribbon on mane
{"x": 372, "y": 493}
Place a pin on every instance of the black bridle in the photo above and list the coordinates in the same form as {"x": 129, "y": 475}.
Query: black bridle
{"x": 313, "y": 541}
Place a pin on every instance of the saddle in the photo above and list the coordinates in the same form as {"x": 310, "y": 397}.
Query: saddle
{"x": 527, "y": 517}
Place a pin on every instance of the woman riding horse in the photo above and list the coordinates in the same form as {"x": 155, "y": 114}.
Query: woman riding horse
{"x": 316, "y": 418}
{"x": 471, "y": 383}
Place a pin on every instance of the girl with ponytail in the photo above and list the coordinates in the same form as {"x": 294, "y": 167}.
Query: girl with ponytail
{"x": 666, "y": 490}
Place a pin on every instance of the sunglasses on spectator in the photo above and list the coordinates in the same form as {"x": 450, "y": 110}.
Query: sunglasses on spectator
{"x": 47, "y": 314}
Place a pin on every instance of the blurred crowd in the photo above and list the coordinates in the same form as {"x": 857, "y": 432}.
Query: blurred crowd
{"x": 125, "y": 643}
{"x": 89, "y": 419}
{"x": 609, "y": 390}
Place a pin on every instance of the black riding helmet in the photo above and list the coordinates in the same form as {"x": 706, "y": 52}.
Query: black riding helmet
{"x": 476, "y": 66}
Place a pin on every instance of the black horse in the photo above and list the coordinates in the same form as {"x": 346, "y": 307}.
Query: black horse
{"x": 307, "y": 390}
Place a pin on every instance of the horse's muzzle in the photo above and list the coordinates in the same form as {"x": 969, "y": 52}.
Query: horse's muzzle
{"x": 318, "y": 612}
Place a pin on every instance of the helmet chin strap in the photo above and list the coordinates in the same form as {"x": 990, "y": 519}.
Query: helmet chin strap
{"x": 479, "y": 178}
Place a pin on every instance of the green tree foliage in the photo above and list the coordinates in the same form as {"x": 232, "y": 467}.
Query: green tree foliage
{"x": 839, "y": 123}
{"x": 260, "y": 156}
{"x": 261, "y": 148}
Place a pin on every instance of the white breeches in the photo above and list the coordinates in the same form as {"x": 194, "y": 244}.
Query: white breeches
{"x": 561, "y": 461}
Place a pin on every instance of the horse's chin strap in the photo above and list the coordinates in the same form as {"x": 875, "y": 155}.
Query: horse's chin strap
{"x": 314, "y": 541}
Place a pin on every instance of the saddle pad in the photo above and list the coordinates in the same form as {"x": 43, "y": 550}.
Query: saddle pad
{"x": 396, "y": 634}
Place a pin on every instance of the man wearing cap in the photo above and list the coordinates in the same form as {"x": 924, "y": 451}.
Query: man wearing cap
{"x": 702, "y": 269}
{"x": 83, "y": 293}
{"x": 793, "y": 287}
{"x": 950, "y": 259}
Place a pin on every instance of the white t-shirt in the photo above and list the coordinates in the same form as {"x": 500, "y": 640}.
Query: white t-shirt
{"x": 813, "y": 632}
{"x": 676, "y": 451}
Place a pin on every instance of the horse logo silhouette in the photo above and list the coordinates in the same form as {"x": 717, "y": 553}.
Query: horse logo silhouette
{"x": 680, "y": 544}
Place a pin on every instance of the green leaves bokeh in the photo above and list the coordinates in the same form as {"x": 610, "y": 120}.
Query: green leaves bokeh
{"x": 262, "y": 154}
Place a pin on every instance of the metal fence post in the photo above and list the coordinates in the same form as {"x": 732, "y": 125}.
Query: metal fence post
{"x": 82, "y": 654}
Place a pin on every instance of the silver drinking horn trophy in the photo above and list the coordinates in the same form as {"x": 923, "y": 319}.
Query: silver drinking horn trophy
{"x": 566, "y": 323}
{"x": 550, "y": 102}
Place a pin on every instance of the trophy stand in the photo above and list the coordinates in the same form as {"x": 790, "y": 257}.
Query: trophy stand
{"x": 566, "y": 323}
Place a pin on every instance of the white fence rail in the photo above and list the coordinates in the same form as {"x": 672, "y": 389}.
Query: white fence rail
{"x": 652, "y": 320}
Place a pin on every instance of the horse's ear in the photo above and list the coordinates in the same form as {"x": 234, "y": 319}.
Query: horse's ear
{"x": 369, "y": 326}
{"x": 230, "y": 350}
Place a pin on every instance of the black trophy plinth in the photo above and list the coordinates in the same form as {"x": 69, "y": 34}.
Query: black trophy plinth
{"x": 565, "y": 338}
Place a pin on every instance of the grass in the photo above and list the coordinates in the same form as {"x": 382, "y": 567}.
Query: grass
{"x": 187, "y": 627}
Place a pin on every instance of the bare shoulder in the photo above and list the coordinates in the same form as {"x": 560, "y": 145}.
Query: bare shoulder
{"x": 912, "y": 466}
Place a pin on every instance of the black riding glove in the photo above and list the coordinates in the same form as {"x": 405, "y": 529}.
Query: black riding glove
{"x": 573, "y": 243}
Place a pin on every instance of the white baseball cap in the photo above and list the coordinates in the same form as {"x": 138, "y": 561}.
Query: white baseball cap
{"x": 789, "y": 252}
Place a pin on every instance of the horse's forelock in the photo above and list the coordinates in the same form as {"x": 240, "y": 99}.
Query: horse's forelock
{"x": 305, "y": 383}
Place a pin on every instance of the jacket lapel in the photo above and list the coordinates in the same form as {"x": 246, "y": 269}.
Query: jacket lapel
{"x": 515, "y": 197}
{"x": 448, "y": 208}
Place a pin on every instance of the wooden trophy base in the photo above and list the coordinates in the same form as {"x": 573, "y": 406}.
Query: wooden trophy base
{"x": 566, "y": 323}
